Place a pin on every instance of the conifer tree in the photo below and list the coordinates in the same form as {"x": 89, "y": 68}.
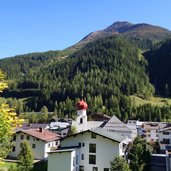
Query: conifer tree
{"x": 25, "y": 157}
{"x": 119, "y": 164}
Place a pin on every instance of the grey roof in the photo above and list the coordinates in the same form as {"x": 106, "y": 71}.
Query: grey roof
{"x": 116, "y": 125}
{"x": 108, "y": 134}
{"x": 102, "y": 132}
{"x": 33, "y": 125}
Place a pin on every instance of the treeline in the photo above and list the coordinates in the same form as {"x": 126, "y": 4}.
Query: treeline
{"x": 124, "y": 109}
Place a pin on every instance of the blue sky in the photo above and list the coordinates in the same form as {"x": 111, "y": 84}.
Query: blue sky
{"x": 39, "y": 25}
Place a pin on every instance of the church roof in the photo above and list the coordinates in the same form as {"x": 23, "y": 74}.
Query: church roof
{"x": 82, "y": 105}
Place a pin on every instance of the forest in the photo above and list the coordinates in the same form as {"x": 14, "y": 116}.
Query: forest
{"x": 106, "y": 71}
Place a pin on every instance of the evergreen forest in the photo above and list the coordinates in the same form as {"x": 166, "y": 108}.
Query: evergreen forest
{"x": 106, "y": 71}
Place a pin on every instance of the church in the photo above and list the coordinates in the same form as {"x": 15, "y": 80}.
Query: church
{"x": 90, "y": 149}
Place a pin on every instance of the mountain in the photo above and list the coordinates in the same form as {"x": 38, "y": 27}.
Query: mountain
{"x": 106, "y": 71}
{"x": 140, "y": 31}
{"x": 141, "y": 35}
{"x": 107, "y": 66}
{"x": 159, "y": 67}
{"x": 21, "y": 65}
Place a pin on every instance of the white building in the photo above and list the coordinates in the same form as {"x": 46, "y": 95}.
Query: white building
{"x": 91, "y": 150}
{"x": 117, "y": 126}
{"x": 81, "y": 122}
{"x": 41, "y": 141}
{"x": 131, "y": 124}
{"x": 165, "y": 138}
{"x": 60, "y": 128}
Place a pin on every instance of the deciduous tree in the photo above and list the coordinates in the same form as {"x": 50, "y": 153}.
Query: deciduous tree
{"x": 8, "y": 122}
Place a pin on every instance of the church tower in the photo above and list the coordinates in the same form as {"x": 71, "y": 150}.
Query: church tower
{"x": 82, "y": 114}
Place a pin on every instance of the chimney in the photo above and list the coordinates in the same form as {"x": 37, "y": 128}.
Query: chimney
{"x": 40, "y": 129}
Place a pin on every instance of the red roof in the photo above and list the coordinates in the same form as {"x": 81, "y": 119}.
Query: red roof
{"x": 82, "y": 105}
{"x": 42, "y": 134}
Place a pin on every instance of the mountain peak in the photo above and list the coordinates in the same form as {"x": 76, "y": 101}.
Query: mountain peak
{"x": 119, "y": 26}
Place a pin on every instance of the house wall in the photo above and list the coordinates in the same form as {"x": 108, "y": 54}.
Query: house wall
{"x": 163, "y": 136}
{"x": 104, "y": 147}
{"x": 61, "y": 161}
{"x": 40, "y": 150}
{"x": 154, "y": 135}
{"x": 48, "y": 146}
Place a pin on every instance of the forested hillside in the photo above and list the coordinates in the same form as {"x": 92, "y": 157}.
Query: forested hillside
{"x": 159, "y": 59}
{"x": 21, "y": 65}
{"x": 107, "y": 71}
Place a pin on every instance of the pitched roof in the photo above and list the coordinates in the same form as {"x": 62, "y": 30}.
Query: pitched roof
{"x": 41, "y": 134}
{"x": 166, "y": 128}
{"x": 108, "y": 134}
{"x": 33, "y": 125}
{"x": 104, "y": 133}
{"x": 115, "y": 124}
{"x": 150, "y": 125}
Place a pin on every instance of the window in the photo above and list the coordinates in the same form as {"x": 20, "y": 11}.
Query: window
{"x": 165, "y": 133}
{"x": 22, "y": 137}
{"x": 14, "y": 137}
{"x": 81, "y": 168}
{"x": 48, "y": 145}
{"x": 92, "y": 148}
{"x": 76, "y": 159}
{"x": 33, "y": 145}
{"x": 13, "y": 149}
{"x": 92, "y": 159}
{"x": 82, "y": 156}
{"x": 28, "y": 137}
{"x": 165, "y": 141}
{"x": 81, "y": 120}
{"x": 95, "y": 169}
{"x": 83, "y": 144}
{"x": 106, "y": 169}
{"x": 93, "y": 135}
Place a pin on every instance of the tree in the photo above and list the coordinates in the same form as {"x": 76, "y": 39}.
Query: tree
{"x": 44, "y": 114}
{"x": 73, "y": 130}
{"x": 139, "y": 155}
{"x": 25, "y": 157}
{"x": 119, "y": 164}
{"x": 8, "y": 122}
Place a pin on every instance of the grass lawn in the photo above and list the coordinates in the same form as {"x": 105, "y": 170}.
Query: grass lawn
{"x": 39, "y": 166}
{"x": 6, "y": 165}
{"x": 156, "y": 101}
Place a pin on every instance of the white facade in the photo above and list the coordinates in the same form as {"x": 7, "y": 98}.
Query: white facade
{"x": 63, "y": 161}
{"x": 81, "y": 120}
{"x": 131, "y": 124}
{"x": 91, "y": 151}
{"x": 40, "y": 148}
{"x": 164, "y": 138}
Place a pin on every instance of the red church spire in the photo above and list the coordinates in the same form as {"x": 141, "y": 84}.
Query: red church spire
{"x": 82, "y": 105}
